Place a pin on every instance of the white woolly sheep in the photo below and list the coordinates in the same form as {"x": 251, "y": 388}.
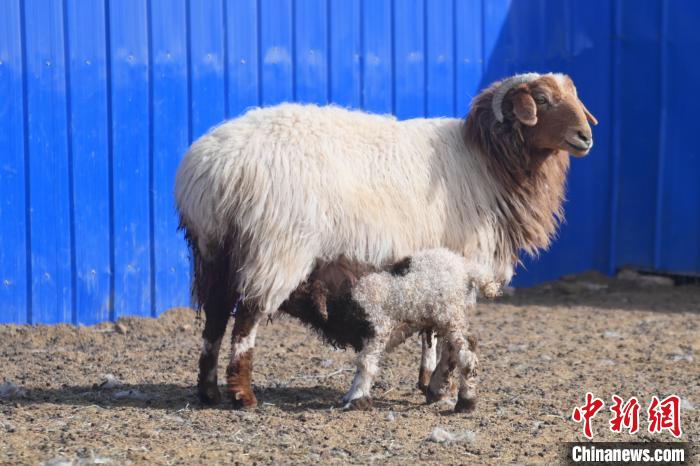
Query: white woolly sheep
{"x": 374, "y": 311}
{"x": 265, "y": 197}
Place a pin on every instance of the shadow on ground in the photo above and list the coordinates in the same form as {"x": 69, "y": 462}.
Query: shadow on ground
{"x": 170, "y": 396}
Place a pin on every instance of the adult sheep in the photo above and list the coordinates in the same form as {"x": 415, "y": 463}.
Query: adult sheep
{"x": 265, "y": 196}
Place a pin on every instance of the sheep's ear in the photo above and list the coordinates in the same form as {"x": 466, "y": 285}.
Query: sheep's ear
{"x": 593, "y": 120}
{"x": 525, "y": 108}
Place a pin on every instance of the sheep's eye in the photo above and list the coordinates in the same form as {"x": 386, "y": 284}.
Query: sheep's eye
{"x": 541, "y": 100}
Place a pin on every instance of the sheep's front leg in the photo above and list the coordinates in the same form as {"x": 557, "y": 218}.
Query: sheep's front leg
{"x": 359, "y": 396}
{"x": 240, "y": 368}
{"x": 428, "y": 360}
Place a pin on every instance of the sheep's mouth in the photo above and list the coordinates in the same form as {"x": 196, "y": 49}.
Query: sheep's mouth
{"x": 581, "y": 150}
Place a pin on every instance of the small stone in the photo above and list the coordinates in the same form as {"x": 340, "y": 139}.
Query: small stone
{"x": 109, "y": 381}
{"x": 10, "y": 390}
{"x": 131, "y": 394}
{"x": 58, "y": 462}
{"x": 517, "y": 348}
{"x": 120, "y": 328}
{"x": 391, "y": 417}
{"x": 440, "y": 435}
{"x": 687, "y": 405}
{"x": 682, "y": 356}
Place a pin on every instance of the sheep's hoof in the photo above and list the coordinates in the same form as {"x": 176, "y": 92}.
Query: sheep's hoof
{"x": 244, "y": 400}
{"x": 465, "y": 405}
{"x": 359, "y": 404}
{"x": 209, "y": 393}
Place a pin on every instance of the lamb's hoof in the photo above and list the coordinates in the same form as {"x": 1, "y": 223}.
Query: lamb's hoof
{"x": 209, "y": 393}
{"x": 465, "y": 405}
{"x": 359, "y": 404}
{"x": 433, "y": 397}
{"x": 244, "y": 401}
{"x": 424, "y": 380}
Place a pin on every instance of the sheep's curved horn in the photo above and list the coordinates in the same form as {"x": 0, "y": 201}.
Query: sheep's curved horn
{"x": 504, "y": 87}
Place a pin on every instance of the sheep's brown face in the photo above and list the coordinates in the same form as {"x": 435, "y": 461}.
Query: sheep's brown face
{"x": 553, "y": 116}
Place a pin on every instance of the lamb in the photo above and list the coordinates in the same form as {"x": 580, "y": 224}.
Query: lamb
{"x": 375, "y": 310}
{"x": 266, "y": 197}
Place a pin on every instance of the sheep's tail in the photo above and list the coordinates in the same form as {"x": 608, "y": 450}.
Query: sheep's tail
{"x": 211, "y": 274}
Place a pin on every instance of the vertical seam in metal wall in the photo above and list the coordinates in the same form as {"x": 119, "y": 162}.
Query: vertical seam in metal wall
{"x": 258, "y": 51}
{"x": 69, "y": 148}
{"x": 425, "y": 58}
{"x": 454, "y": 58}
{"x": 663, "y": 77}
{"x": 110, "y": 157}
{"x": 329, "y": 55}
{"x": 188, "y": 39}
{"x": 392, "y": 54}
{"x": 27, "y": 178}
{"x": 294, "y": 50}
{"x": 224, "y": 25}
{"x": 483, "y": 55}
{"x": 362, "y": 53}
{"x": 569, "y": 37}
{"x": 151, "y": 185}
{"x": 392, "y": 61}
{"x": 616, "y": 33}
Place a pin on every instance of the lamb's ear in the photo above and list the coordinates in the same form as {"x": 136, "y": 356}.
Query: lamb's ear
{"x": 525, "y": 108}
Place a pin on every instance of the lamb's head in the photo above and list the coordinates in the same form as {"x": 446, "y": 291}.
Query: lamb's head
{"x": 549, "y": 110}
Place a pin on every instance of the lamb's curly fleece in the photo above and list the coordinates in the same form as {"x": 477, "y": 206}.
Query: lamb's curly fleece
{"x": 436, "y": 292}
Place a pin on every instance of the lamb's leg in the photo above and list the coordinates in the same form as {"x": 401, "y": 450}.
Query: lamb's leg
{"x": 440, "y": 382}
{"x": 428, "y": 360}
{"x": 239, "y": 370}
{"x": 359, "y": 396}
{"x": 467, "y": 364}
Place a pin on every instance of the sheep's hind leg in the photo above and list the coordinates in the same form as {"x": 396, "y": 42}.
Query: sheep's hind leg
{"x": 214, "y": 329}
{"x": 428, "y": 360}
{"x": 240, "y": 368}
{"x": 217, "y": 301}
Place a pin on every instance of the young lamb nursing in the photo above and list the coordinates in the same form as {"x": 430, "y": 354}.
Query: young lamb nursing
{"x": 267, "y": 196}
{"x": 374, "y": 311}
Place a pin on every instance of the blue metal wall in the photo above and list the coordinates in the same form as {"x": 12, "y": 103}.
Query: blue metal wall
{"x": 100, "y": 99}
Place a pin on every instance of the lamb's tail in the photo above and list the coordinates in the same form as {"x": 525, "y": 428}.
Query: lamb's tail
{"x": 480, "y": 277}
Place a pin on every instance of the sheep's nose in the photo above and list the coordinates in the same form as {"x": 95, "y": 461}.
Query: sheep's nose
{"x": 586, "y": 138}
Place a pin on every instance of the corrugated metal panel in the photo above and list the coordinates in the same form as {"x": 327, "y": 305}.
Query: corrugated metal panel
{"x": 101, "y": 99}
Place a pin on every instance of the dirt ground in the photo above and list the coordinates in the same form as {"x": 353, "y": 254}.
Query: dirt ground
{"x": 541, "y": 350}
